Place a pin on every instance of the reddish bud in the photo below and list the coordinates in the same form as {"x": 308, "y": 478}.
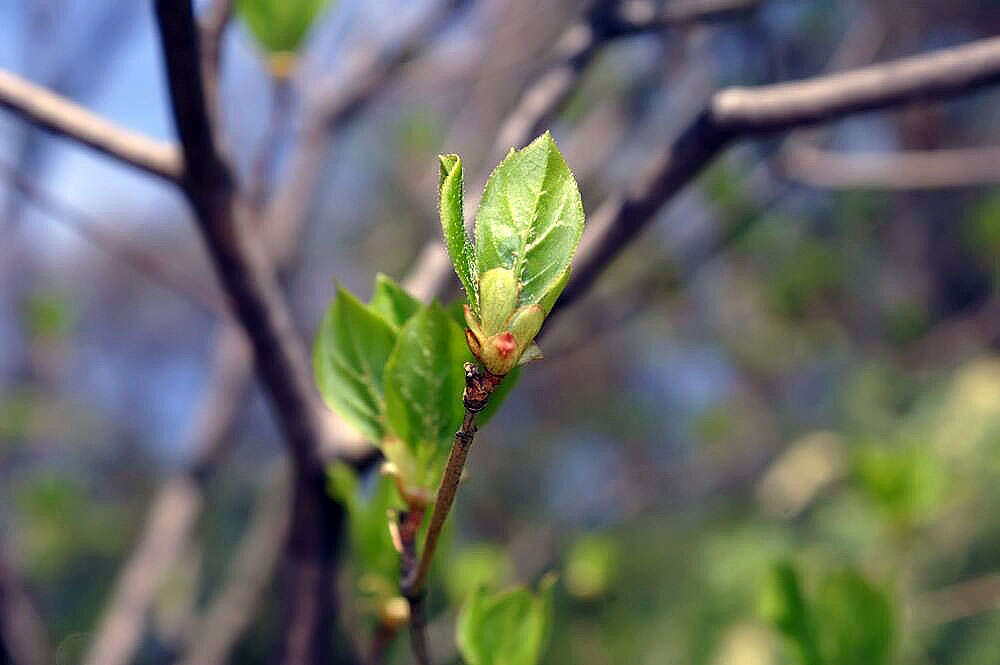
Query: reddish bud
{"x": 505, "y": 344}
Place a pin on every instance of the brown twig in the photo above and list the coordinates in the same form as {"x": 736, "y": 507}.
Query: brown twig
{"x": 58, "y": 114}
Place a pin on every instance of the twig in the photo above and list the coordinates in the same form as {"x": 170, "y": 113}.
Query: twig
{"x": 88, "y": 228}
{"x": 22, "y": 636}
{"x": 479, "y": 385}
{"x": 253, "y": 567}
{"x": 906, "y": 170}
{"x": 212, "y": 25}
{"x": 738, "y": 113}
{"x": 58, "y": 114}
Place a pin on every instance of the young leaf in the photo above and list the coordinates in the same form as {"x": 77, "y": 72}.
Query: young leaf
{"x": 506, "y": 628}
{"x": 453, "y": 224}
{"x": 856, "y": 620}
{"x": 530, "y": 219}
{"x": 349, "y": 356}
{"x": 392, "y": 301}
{"x": 783, "y": 604}
{"x": 280, "y": 25}
{"x": 424, "y": 380}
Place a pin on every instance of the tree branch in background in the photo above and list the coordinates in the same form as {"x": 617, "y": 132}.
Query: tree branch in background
{"x": 907, "y": 170}
{"x": 211, "y": 27}
{"x": 281, "y": 359}
{"x": 251, "y": 571}
{"x": 228, "y": 383}
{"x": 159, "y": 272}
{"x": 738, "y": 113}
{"x": 58, "y": 114}
{"x": 22, "y": 635}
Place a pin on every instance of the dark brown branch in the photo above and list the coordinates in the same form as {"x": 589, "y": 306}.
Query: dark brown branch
{"x": 22, "y": 636}
{"x": 61, "y": 116}
{"x": 739, "y": 113}
{"x": 280, "y": 357}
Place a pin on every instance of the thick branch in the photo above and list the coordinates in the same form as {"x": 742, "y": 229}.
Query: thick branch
{"x": 738, "y": 113}
{"x": 58, "y": 114}
{"x": 265, "y": 315}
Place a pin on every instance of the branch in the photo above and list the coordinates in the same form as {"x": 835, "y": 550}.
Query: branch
{"x": 159, "y": 272}
{"x": 61, "y": 116}
{"x": 22, "y": 636}
{"x": 907, "y": 170}
{"x": 212, "y": 25}
{"x": 281, "y": 359}
{"x": 739, "y": 113}
{"x": 253, "y": 566}
{"x": 334, "y": 104}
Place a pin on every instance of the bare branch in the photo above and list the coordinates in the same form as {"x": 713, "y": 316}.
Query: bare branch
{"x": 281, "y": 359}
{"x": 213, "y": 24}
{"x": 22, "y": 636}
{"x": 61, "y": 116}
{"x": 738, "y": 113}
{"x": 908, "y": 170}
{"x": 253, "y": 567}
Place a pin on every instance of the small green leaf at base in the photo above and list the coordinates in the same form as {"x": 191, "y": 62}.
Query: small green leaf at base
{"x": 506, "y": 628}
{"x": 280, "y": 26}
{"x": 352, "y": 347}
{"x": 424, "y": 380}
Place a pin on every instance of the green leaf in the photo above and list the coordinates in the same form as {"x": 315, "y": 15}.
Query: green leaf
{"x": 424, "y": 380}
{"x": 280, "y": 25}
{"x": 783, "y": 604}
{"x": 530, "y": 219}
{"x": 506, "y": 628}
{"x": 453, "y": 224}
{"x": 351, "y": 349}
{"x": 370, "y": 539}
{"x": 475, "y": 567}
{"x": 855, "y": 619}
{"x": 391, "y": 301}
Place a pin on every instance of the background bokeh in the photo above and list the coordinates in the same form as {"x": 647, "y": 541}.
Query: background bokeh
{"x": 770, "y": 433}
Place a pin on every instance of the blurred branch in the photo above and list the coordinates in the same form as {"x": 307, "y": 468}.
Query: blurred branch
{"x": 62, "y": 116}
{"x": 229, "y": 380}
{"x": 281, "y": 358}
{"x": 333, "y": 105}
{"x": 908, "y": 170}
{"x": 249, "y": 574}
{"x": 147, "y": 264}
{"x": 575, "y": 49}
{"x": 738, "y": 113}
{"x": 22, "y": 635}
{"x": 965, "y": 599}
{"x": 211, "y": 26}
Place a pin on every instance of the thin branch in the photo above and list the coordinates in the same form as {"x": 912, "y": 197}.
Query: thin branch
{"x": 22, "y": 635}
{"x": 253, "y": 567}
{"x": 159, "y": 272}
{"x": 62, "y": 116}
{"x": 907, "y": 170}
{"x": 212, "y": 26}
{"x": 739, "y": 113}
{"x": 334, "y": 104}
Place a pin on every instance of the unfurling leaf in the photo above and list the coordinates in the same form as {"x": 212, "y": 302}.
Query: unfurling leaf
{"x": 453, "y": 225}
{"x": 352, "y": 347}
{"x": 424, "y": 380}
{"x": 506, "y": 628}
{"x": 530, "y": 218}
{"x": 528, "y": 227}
